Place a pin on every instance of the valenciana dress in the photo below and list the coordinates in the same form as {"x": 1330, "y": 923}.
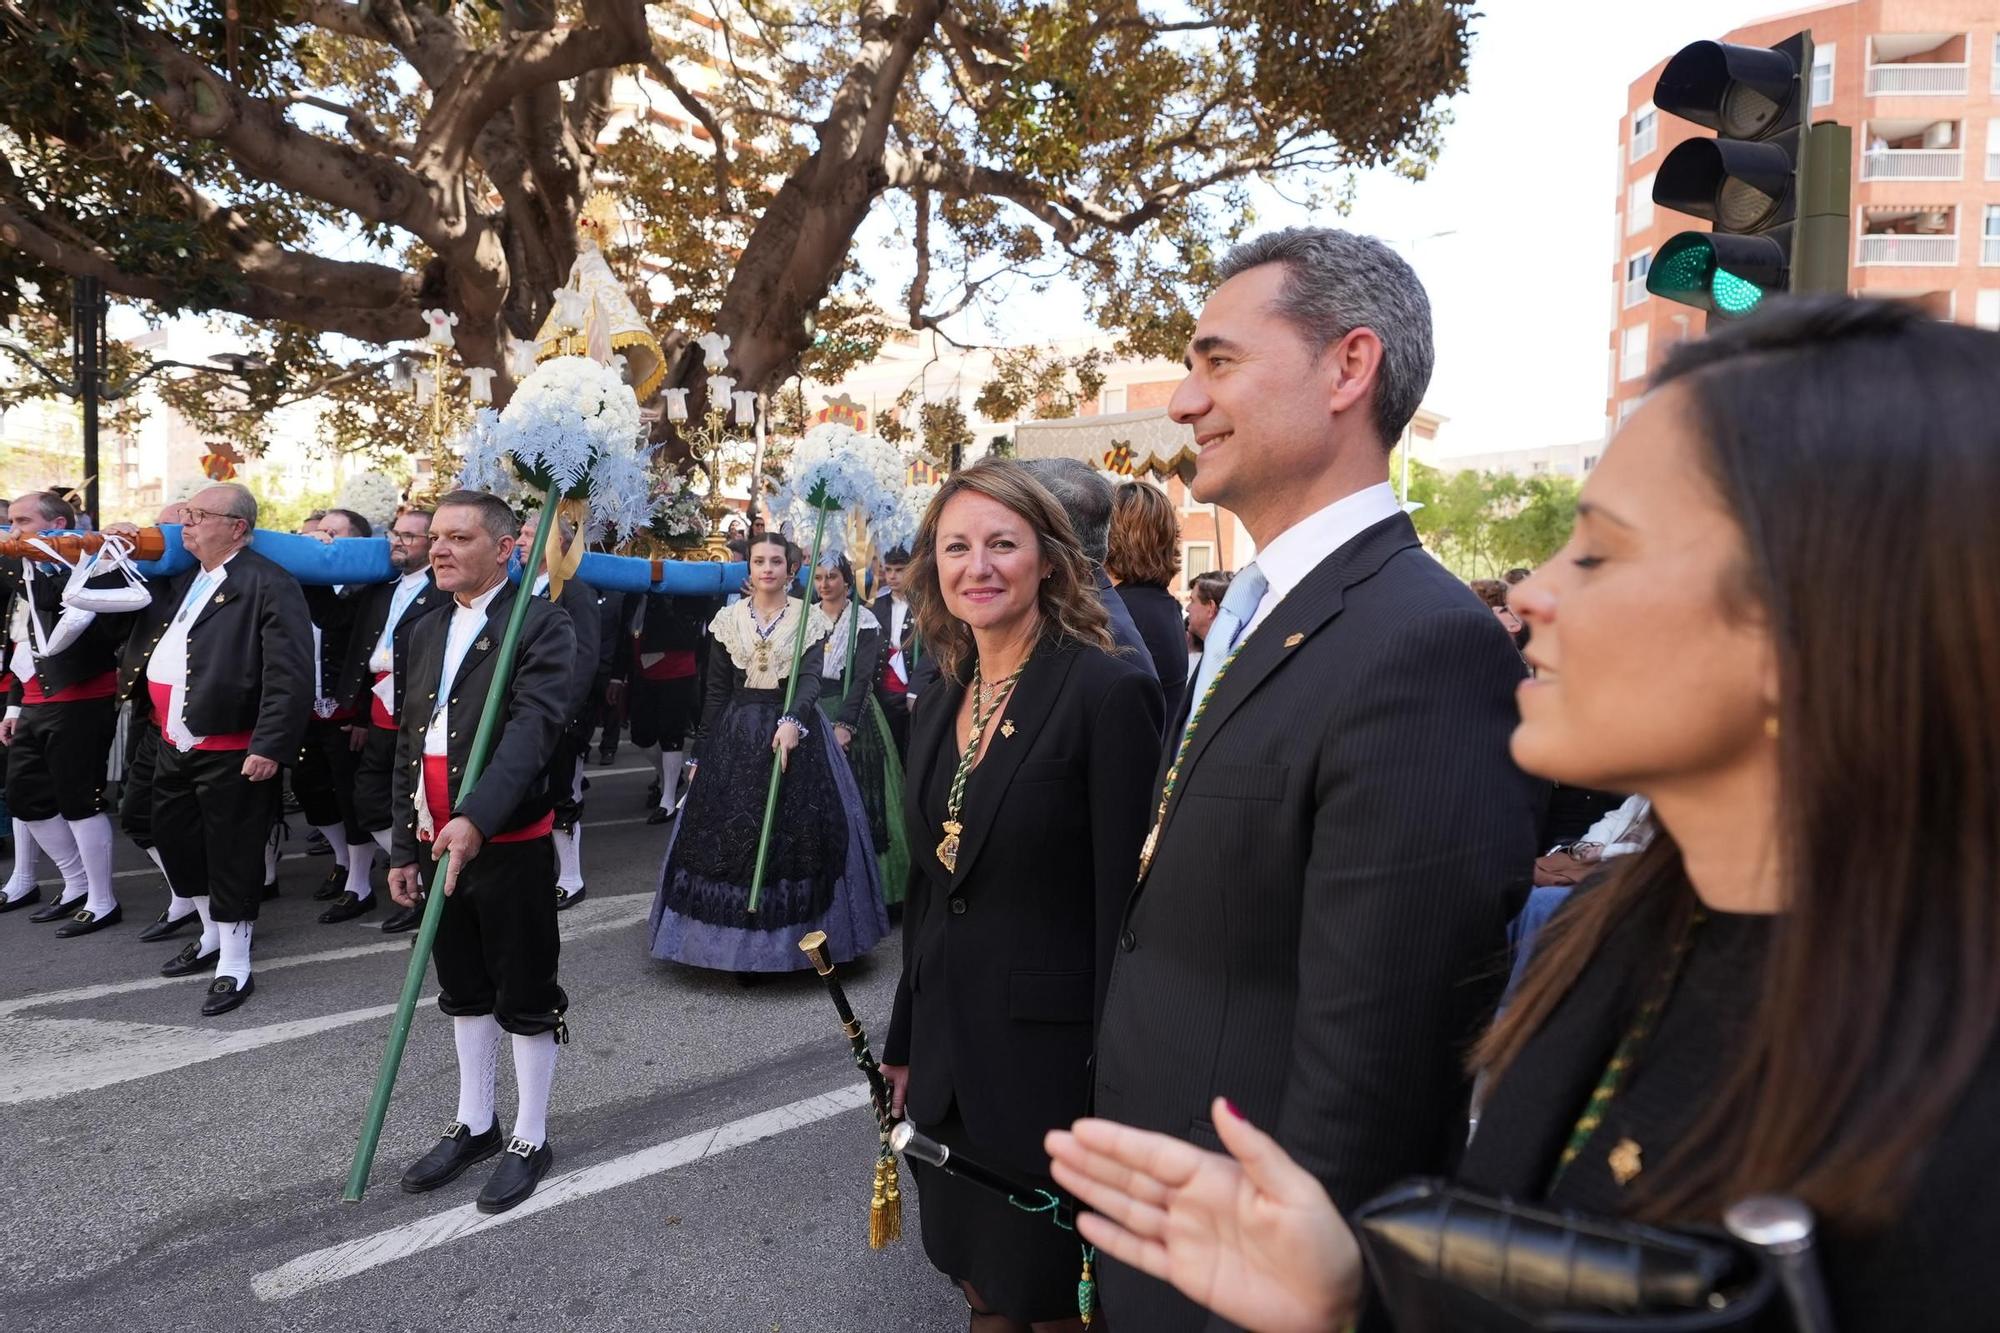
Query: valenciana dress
{"x": 848, "y": 698}
{"x": 821, "y": 872}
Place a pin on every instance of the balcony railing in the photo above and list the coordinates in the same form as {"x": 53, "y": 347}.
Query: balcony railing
{"x": 1888, "y": 248}
{"x": 1989, "y": 250}
{"x": 1916, "y": 80}
{"x": 1635, "y": 291}
{"x": 1912, "y": 164}
{"x": 1993, "y": 165}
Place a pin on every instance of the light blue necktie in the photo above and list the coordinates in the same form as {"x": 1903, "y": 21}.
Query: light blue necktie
{"x": 1239, "y": 604}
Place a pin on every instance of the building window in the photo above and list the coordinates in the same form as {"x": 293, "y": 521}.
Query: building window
{"x": 1625, "y": 409}
{"x": 1996, "y": 62}
{"x": 1989, "y": 241}
{"x": 1822, "y": 75}
{"x": 1632, "y": 353}
{"x": 1197, "y": 558}
{"x": 1636, "y": 269}
{"x": 1639, "y": 204}
{"x": 1987, "y": 313}
{"x": 1111, "y": 400}
{"x": 1993, "y": 146}
{"x": 1645, "y": 131}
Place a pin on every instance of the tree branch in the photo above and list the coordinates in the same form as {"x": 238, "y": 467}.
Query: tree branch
{"x": 699, "y": 109}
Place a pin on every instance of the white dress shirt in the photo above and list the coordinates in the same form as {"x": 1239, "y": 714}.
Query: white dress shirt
{"x": 1299, "y": 549}
{"x": 169, "y": 663}
{"x": 467, "y": 622}
{"x": 899, "y": 615}
{"x": 382, "y": 661}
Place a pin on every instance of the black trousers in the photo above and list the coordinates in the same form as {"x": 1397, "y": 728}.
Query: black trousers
{"x": 566, "y": 772}
{"x": 210, "y": 824}
{"x": 135, "y": 791}
{"x": 662, "y": 712}
{"x": 896, "y": 712}
{"x": 373, "y": 782}
{"x": 324, "y": 778}
{"x": 56, "y": 765}
{"x": 497, "y": 942}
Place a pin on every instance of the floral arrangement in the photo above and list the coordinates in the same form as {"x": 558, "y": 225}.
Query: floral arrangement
{"x": 572, "y": 427}
{"x": 679, "y": 518}
{"x": 837, "y": 467}
{"x": 372, "y": 495}
{"x": 915, "y": 500}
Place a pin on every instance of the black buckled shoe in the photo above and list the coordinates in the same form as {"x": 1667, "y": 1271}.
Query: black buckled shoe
{"x": 403, "y": 918}
{"x": 332, "y": 886}
{"x": 190, "y": 960}
{"x": 166, "y": 927}
{"x": 457, "y": 1150}
{"x": 271, "y": 891}
{"x": 521, "y": 1168}
{"x": 346, "y": 907}
{"x": 566, "y": 899}
{"x": 88, "y": 922}
{"x": 224, "y": 994}
{"x": 28, "y": 899}
{"x": 60, "y": 910}
{"x": 659, "y": 814}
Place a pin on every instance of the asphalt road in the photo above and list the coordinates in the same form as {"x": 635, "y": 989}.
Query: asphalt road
{"x": 166, "y": 1171}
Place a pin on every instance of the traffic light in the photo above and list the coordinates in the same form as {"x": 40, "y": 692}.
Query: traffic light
{"x": 1749, "y": 181}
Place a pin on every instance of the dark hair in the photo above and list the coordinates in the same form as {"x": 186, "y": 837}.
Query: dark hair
{"x": 312, "y": 516}
{"x": 1067, "y": 598}
{"x": 362, "y": 527}
{"x": 1857, "y": 446}
{"x": 1516, "y": 575}
{"x": 1083, "y": 495}
{"x": 1491, "y": 591}
{"x": 54, "y": 508}
{"x": 898, "y": 554}
{"x": 1145, "y": 544}
{"x": 1211, "y": 586}
{"x": 499, "y": 521}
{"x": 840, "y": 564}
{"x": 793, "y": 555}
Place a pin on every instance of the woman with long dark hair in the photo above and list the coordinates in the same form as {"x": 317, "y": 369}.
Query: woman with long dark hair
{"x": 820, "y": 873}
{"x": 1779, "y": 620}
{"x": 1031, "y": 764}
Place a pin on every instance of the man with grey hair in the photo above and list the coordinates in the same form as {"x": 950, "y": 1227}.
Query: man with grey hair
{"x": 1086, "y": 497}
{"x": 224, "y": 656}
{"x": 1340, "y": 835}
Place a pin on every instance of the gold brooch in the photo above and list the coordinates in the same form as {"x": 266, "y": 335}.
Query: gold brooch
{"x": 1626, "y": 1161}
{"x": 1007, "y": 727}
{"x": 1295, "y": 640}
{"x": 483, "y": 644}
{"x": 218, "y": 599}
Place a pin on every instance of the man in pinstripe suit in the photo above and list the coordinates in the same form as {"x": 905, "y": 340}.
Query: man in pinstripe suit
{"x": 1317, "y": 930}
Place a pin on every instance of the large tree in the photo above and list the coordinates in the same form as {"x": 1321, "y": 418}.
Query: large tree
{"x": 322, "y": 167}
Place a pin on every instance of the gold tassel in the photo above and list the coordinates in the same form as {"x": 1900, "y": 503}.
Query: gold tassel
{"x": 885, "y": 1210}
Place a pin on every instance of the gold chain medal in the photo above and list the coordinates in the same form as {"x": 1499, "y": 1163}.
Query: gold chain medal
{"x": 982, "y": 713}
{"x": 1152, "y": 842}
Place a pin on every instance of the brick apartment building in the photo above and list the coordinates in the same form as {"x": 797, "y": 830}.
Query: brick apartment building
{"x": 1918, "y": 82}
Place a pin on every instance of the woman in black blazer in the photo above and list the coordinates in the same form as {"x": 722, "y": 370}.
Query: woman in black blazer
{"x": 1144, "y": 556}
{"x": 1031, "y": 764}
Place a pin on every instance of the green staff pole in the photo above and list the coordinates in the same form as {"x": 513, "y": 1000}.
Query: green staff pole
{"x": 823, "y": 506}
{"x": 420, "y": 953}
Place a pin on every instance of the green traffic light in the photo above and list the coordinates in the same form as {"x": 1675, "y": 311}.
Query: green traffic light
{"x": 1692, "y": 270}
{"x": 1733, "y": 295}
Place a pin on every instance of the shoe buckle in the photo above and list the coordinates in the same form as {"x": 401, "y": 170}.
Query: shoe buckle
{"x": 521, "y": 1148}
{"x": 457, "y": 1130}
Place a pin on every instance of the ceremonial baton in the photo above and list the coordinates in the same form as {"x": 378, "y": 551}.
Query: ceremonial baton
{"x": 885, "y": 1209}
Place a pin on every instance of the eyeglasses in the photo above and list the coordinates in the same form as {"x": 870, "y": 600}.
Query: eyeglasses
{"x": 396, "y": 536}
{"x": 191, "y": 518}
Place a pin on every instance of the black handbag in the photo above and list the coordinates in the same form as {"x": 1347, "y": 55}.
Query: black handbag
{"x": 1447, "y": 1260}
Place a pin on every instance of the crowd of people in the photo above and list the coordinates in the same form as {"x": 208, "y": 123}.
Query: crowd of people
{"x": 1346, "y": 916}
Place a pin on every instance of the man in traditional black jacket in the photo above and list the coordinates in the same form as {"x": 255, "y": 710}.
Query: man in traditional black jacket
{"x": 324, "y": 780}
{"x": 224, "y": 655}
{"x": 1340, "y": 835}
{"x": 497, "y": 942}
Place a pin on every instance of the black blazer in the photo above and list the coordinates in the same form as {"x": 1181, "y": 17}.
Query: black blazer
{"x": 1005, "y": 962}
{"x": 1322, "y": 930}
{"x": 335, "y": 613}
{"x": 370, "y": 615}
{"x": 1163, "y": 628}
{"x": 514, "y": 789}
{"x": 585, "y": 609}
{"x": 94, "y": 652}
{"x": 249, "y": 655}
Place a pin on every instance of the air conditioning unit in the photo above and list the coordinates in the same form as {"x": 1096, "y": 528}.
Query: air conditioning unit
{"x": 1939, "y": 135}
{"x": 1934, "y": 220}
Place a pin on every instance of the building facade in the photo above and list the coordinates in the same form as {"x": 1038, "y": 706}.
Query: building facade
{"x": 1918, "y": 82}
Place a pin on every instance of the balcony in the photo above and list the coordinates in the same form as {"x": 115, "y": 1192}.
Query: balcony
{"x": 1904, "y": 250}
{"x": 1635, "y": 290}
{"x": 1915, "y": 164}
{"x": 1993, "y": 165}
{"x": 1916, "y": 80}
{"x": 1989, "y": 250}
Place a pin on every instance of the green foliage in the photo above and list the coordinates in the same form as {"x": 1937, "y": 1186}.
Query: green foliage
{"x": 1039, "y": 383}
{"x": 1480, "y": 524}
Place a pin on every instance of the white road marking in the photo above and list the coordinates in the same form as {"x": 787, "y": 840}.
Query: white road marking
{"x": 592, "y": 916}
{"x": 48, "y": 1058}
{"x": 336, "y": 1263}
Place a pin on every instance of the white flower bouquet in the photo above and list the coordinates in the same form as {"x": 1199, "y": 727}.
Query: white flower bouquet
{"x": 837, "y": 467}
{"x": 372, "y": 495}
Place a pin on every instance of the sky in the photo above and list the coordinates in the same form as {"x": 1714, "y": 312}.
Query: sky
{"x": 1520, "y": 282}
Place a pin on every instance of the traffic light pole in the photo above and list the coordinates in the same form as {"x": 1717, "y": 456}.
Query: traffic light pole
{"x": 1824, "y": 232}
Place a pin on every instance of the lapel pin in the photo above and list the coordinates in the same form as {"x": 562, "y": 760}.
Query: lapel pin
{"x": 218, "y": 599}
{"x": 1007, "y": 728}
{"x": 483, "y": 644}
{"x": 1295, "y": 640}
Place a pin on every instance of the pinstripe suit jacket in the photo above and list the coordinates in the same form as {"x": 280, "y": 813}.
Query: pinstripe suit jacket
{"x": 1321, "y": 932}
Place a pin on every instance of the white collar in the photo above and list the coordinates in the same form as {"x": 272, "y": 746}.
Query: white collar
{"x": 412, "y": 578}
{"x": 479, "y": 603}
{"x": 1299, "y": 549}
